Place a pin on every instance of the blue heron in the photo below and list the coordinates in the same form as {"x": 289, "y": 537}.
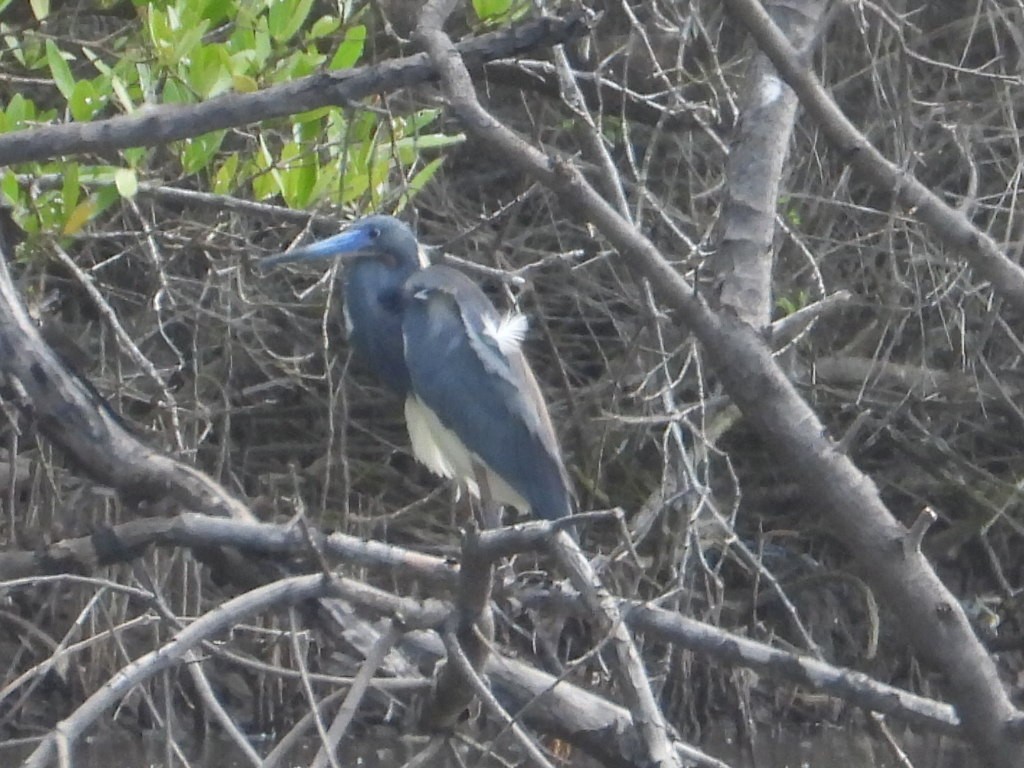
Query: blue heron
{"x": 473, "y": 408}
{"x": 383, "y": 254}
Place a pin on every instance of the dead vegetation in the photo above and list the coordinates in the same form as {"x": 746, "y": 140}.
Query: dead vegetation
{"x": 247, "y": 377}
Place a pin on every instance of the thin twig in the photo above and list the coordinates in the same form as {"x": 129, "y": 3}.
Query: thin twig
{"x": 457, "y": 658}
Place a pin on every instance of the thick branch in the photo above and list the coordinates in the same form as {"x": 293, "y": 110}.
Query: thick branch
{"x": 743, "y": 260}
{"x": 458, "y": 660}
{"x": 75, "y": 418}
{"x": 628, "y": 667}
{"x": 845, "y": 684}
{"x": 285, "y": 592}
{"x": 124, "y": 542}
{"x": 951, "y": 226}
{"x": 594, "y": 724}
{"x": 133, "y": 538}
{"x": 159, "y": 125}
{"x": 472, "y": 632}
{"x": 931, "y": 615}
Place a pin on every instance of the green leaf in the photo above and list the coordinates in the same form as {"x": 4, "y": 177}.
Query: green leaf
{"x": 425, "y": 174}
{"x": 362, "y": 126}
{"x": 298, "y": 64}
{"x": 336, "y": 131}
{"x": 209, "y": 71}
{"x": 175, "y": 93}
{"x": 70, "y": 189}
{"x": 86, "y": 101}
{"x": 353, "y": 186}
{"x": 310, "y": 123}
{"x": 79, "y": 216}
{"x": 378, "y": 176}
{"x": 134, "y": 156}
{"x": 126, "y": 181}
{"x": 409, "y": 148}
{"x": 419, "y": 181}
{"x": 217, "y": 11}
{"x": 19, "y": 109}
{"x": 188, "y": 41}
{"x": 269, "y": 183}
{"x": 244, "y": 84}
{"x": 262, "y": 46}
{"x": 351, "y": 48}
{"x": 323, "y": 27}
{"x": 15, "y": 46}
{"x": 417, "y": 122}
{"x": 198, "y": 152}
{"x": 286, "y": 17}
{"x": 49, "y": 211}
{"x": 487, "y": 10}
{"x": 224, "y": 179}
{"x": 104, "y": 198}
{"x": 97, "y": 174}
{"x": 121, "y": 91}
{"x": 146, "y": 80}
{"x": 40, "y": 9}
{"x": 298, "y": 174}
{"x": 9, "y": 186}
{"x": 59, "y": 70}
{"x": 326, "y": 183}
{"x": 160, "y": 35}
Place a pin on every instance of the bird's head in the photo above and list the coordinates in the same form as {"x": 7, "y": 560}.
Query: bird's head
{"x": 379, "y": 253}
{"x": 383, "y": 239}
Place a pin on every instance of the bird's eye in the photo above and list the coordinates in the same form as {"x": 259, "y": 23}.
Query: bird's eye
{"x": 374, "y": 233}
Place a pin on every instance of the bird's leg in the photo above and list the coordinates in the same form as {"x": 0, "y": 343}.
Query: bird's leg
{"x": 489, "y": 514}
{"x": 489, "y": 518}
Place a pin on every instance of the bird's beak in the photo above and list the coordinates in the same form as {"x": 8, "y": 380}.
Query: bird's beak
{"x": 350, "y": 242}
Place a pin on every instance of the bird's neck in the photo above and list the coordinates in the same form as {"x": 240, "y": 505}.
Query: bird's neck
{"x": 373, "y": 316}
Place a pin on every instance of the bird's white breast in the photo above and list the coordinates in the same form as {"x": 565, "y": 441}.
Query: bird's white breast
{"x": 444, "y": 454}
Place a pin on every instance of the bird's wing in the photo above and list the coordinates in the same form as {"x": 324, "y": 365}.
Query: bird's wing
{"x": 481, "y": 388}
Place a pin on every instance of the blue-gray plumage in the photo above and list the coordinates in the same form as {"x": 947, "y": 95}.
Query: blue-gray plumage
{"x": 381, "y": 253}
{"x": 475, "y": 411}
{"x": 473, "y": 407}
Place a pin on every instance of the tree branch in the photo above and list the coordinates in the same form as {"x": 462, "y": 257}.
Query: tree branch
{"x": 628, "y": 668}
{"x": 951, "y": 226}
{"x": 744, "y": 258}
{"x": 284, "y": 592}
{"x": 154, "y": 125}
{"x": 931, "y": 615}
{"x": 191, "y": 529}
{"x": 74, "y": 417}
{"x": 472, "y": 631}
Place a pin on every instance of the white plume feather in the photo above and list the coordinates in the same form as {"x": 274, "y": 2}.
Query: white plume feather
{"x": 510, "y": 331}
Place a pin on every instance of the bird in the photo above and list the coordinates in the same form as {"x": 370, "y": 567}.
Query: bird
{"x": 381, "y": 254}
{"x": 473, "y": 408}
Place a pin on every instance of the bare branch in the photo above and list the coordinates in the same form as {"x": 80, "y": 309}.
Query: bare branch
{"x": 285, "y": 592}
{"x": 360, "y": 685}
{"x": 950, "y": 225}
{"x": 76, "y": 418}
{"x": 472, "y": 627}
{"x": 932, "y": 617}
{"x": 744, "y": 258}
{"x": 158, "y": 125}
{"x": 724, "y": 647}
{"x": 470, "y": 674}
